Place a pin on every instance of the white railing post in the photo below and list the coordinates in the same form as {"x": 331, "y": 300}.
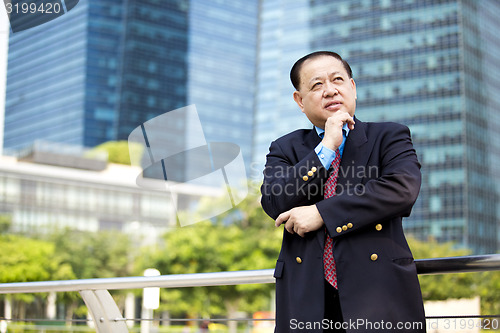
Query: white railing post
{"x": 104, "y": 311}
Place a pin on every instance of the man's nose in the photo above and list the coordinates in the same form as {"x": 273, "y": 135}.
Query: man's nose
{"x": 329, "y": 89}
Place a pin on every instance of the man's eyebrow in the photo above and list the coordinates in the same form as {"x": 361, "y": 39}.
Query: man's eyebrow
{"x": 318, "y": 78}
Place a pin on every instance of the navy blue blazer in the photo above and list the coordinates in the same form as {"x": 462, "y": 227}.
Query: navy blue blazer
{"x": 379, "y": 180}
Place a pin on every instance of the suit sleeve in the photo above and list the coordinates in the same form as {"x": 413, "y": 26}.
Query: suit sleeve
{"x": 287, "y": 185}
{"x": 389, "y": 195}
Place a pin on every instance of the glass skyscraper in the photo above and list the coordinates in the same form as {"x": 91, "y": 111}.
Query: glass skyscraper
{"x": 45, "y": 93}
{"x": 104, "y": 68}
{"x": 222, "y": 57}
{"x": 432, "y": 65}
{"x": 284, "y": 37}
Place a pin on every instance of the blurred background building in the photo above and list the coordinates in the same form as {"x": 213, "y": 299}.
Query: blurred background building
{"x": 98, "y": 72}
{"x": 4, "y": 49}
{"x": 55, "y": 186}
{"x": 101, "y": 70}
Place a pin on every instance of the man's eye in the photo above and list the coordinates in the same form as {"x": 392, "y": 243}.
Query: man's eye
{"x": 316, "y": 85}
{"x": 338, "y": 78}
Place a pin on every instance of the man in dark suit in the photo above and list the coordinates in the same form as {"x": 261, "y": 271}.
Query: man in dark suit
{"x": 341, "y": 189}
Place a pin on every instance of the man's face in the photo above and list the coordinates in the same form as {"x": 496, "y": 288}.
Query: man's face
{"x": 325, "y": 88}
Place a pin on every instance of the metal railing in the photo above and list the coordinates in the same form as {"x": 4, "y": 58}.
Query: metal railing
{"x": 107, "y": 317}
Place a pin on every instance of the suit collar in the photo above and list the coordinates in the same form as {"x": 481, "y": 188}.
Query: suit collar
{"x": 356, "y": 153}
{"x": 357, "y": 136}
{"x": 312, "y": 139}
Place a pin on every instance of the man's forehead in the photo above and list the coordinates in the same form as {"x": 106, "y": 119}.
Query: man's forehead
{"x": 321, "y": 66}
{"x": 323, "y": 63}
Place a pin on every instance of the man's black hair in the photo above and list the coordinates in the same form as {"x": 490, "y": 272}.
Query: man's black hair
{"x": 295, "y": 71}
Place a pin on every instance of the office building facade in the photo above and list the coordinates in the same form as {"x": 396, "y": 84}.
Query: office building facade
{"x": 54, "y": 187}
{"x": 431, "y": 65}
{"x": 104, "y": 68}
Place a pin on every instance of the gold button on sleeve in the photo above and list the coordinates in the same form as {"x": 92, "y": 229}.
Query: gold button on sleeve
{"x": 313, "y": 169}
{"x": 339, "y": 230}
{"x": 374, "y": 257}
{"x": 378, "y": 227}
{"x": 310, "y": 173}
{"x": 299, "y": 260}
{"x": 344, "y": 227}
{"x": 305, "y": 178}
{"x": 349, "y": 225}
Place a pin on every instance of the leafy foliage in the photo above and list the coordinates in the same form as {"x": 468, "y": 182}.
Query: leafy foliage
{"x": 23, "y": 259}
{"x": 242, "y": 239}
{"x": 93, "y": 255}
{"x": 456, "y": 285}
{"x": 442, "y": 286}
{"x": 5, "y": 223}
{"x": 489, "y": 291}
{"x": 118, "y": 152}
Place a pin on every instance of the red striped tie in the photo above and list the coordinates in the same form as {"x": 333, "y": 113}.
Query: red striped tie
{"x": 329, "y": 191}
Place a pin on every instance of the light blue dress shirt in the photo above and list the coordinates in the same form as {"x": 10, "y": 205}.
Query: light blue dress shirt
{"x": 326, "y": 155}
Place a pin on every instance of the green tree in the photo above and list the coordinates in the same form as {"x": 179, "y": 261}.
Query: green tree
{"x": 489, "y": 291}
{"x": 456, "y": 285}
{"x": 5, "y": 223}
{"x": 241, "y": 239}
{"x": 100, "y": 254}
{"x": 24, "y": 259}
{"x": 118, "y": 152}
{"x": 443, "y": 286}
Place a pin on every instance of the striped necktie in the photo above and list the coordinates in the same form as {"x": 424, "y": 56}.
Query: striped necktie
{"x": 329, "y": 191}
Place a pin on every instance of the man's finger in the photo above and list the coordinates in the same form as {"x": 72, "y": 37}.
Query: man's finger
{"x": 282, "y": 218}
{"x": 350, "y": 123}
{"x": 289, "y": 226}
{"x": 298, "y": 230}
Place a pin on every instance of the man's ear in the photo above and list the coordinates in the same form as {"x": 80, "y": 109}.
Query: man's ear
{"x": 354, "y": 87}
{"x": 298, "y": 99}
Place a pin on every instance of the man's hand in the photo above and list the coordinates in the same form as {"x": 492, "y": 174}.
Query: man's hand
{"x": 300, "y": 220}
{"x": 333, "y": 129}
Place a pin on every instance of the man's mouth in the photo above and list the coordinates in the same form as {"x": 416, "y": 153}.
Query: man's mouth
{"x": 333, "y": 105}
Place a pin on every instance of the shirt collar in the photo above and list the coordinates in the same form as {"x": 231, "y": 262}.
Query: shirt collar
{"x": 321, "y": 132}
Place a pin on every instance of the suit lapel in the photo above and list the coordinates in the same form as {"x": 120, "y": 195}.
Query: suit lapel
{"x": 311, "y": 140}
{"x": 354, "y": 158}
